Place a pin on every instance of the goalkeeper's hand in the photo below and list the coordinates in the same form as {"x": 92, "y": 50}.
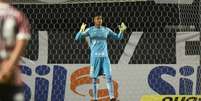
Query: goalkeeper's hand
{"x": 83, "y": 26}
{"x": 122, "y": 27}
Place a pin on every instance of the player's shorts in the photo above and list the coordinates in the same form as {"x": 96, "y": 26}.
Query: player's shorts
{"x": 11, "y": 93}
{"x": 100, "y": 66}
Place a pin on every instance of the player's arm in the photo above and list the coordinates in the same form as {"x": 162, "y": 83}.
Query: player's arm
{"x": 118, "y": 36}
{"x": 9, "y": 65}
{"x": 82, "y": 32}
{"x": 22, "y": 38}
{"x": 17, "y": 53}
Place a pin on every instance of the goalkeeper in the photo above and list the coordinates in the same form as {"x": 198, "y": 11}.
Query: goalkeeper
{"x": 99, "y": 60}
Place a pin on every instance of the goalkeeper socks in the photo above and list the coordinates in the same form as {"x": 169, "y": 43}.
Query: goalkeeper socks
{"x": 95, "y": 89}
{"x": 110, "y": 87}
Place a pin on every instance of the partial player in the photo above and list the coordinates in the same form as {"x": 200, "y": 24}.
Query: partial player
{"x": 14, "y": 36}
{"x": 99, "y": 59}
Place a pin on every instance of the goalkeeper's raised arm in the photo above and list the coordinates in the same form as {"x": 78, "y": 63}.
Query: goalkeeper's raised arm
{"x": 118, "y": 36}
{"x": 82, "y": 32}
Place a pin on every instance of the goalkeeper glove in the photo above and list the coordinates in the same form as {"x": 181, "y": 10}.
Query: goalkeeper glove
{"x": 122, "y": 27}
{"x": 83, "y": 26}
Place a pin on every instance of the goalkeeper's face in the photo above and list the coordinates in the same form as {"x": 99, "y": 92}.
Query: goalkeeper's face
{"x": 98, "y": 20}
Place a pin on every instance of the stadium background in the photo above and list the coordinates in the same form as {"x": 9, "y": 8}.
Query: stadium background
{"x": 164, "y": 29}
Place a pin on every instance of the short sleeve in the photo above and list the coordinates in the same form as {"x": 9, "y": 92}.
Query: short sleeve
{"x": 23, "y": 27}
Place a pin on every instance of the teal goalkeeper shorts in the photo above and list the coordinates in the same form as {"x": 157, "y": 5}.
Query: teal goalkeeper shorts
{"x": 100, "y": 66}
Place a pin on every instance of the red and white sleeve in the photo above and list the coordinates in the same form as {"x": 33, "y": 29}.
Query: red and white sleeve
{"x": 24, "y": 27}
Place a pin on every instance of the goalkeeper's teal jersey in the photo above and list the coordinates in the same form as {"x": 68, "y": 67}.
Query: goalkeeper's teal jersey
{"x": 98, "y": 39}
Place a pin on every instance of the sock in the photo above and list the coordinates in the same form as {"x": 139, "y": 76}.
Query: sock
{"x": 95, "y": 89}
{"x": 110, "y": 87}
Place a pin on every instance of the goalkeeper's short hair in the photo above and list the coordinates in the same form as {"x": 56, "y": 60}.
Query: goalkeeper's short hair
{"x": 98, "y": 14}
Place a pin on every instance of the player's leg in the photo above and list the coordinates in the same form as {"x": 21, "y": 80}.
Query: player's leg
{"x": 95, "y": 67}
{"x": 108, "y": 77}
{"x": 11, "y": 92}
{"x": 95, "y": 88}
{"x": 110, "y": 86}
{"x": 4, "y": 92}
{"x": 17, "y": 93}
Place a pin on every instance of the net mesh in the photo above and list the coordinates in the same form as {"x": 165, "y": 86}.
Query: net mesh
{"x": 158, "y": 22}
